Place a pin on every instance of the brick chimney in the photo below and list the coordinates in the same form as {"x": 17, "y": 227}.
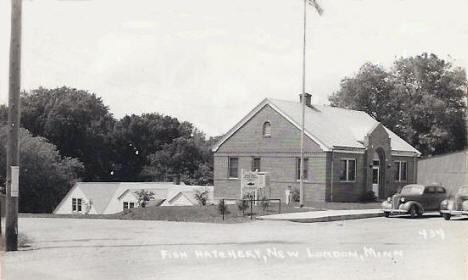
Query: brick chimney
{"x": 308, "y": 97}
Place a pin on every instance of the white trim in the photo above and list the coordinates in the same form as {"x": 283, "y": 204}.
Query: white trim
{"x": 122, "y": 195}
{"x": 349, "y": 151}
{"x": 298, "y": 163}
{"x": 265, "y": 135}
{"x": 229, "y": 168}
{"x": 347, "y": 169}
{"x": 257, "y": 109}
{"x": 128, "y": 205}
{"x": 399, "y": 171}
{"x": 69, "y": 193}
{"x": 76, "y": 205}
{"x": 405, "y": 153}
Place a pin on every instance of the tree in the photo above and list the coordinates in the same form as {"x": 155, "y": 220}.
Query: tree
{"x": 144, "y": 196}
{"x": 45, "y": 176}
{"x": 135, "y": 138}
{"x": 76, "y": 121}
{"x": 369, "y": 91}
{"x": 182, "y": 158}
{"x": 80, "y": 126}
{"x": 422, "y": 99}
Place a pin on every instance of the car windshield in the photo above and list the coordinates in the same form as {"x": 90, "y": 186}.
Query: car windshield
{"x": 412, "y": 189}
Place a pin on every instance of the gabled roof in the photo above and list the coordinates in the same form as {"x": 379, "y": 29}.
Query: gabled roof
{"x": 101, "y": 193}
{"x": 172, "y": 197}
{"x": 330, "y": 127}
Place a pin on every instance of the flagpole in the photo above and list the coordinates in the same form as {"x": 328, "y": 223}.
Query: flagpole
{"x": 301, "y": 171}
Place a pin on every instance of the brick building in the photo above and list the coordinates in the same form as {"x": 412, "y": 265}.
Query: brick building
{"x": 347, "y": 152}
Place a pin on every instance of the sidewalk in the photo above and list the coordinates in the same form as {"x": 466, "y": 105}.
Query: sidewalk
{"x": 324, "y": 216}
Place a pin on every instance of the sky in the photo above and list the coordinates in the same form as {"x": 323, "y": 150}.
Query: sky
{"x": 210, "y": 62}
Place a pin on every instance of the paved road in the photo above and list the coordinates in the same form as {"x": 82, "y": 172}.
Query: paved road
{"x": 376, "y": 248}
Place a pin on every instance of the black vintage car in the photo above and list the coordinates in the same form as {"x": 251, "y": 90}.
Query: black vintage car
{"x": 414, "y": 200}
{"x": 456, "y": 205}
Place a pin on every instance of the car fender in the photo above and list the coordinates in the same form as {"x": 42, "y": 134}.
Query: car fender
{"x": 407, "y": 205}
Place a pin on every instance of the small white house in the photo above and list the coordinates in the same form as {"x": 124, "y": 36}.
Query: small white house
{"x": 110, "y": 197}
{"x": 180, "y": 198}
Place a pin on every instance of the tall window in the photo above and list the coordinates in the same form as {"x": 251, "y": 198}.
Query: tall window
{"x": 233, "y": 167}
{"x": 401, "y": 171}
{"x": 298, "y": 168}
{"x": 255, "y": 164}
{"x": 76, "y": 204}
{"x": 347, "y": 170}
{"x": 267, "y": 129}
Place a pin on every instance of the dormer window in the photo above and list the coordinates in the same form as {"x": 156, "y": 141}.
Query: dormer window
{"x": 267, "y": 129}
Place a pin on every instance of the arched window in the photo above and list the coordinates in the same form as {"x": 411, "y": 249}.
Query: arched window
{"x": 267, "y": 129}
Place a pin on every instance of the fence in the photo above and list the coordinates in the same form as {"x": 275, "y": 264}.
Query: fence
{"x": 251, "y": 202}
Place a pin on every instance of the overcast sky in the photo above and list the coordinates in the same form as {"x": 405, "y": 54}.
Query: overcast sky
{"x": 211, "y": 61}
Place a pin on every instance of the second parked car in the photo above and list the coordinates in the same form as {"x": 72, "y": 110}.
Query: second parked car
{"x": 415, "y": 200}
{"x": 456, "y": 205}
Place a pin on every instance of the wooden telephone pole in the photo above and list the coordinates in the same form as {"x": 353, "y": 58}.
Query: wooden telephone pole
{"x": 12, "y": 183}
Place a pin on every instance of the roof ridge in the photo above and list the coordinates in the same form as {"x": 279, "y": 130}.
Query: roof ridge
{"x": 321, "y": 105}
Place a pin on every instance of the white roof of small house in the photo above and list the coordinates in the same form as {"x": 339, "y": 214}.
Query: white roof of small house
{"x": 183, "y": 196}
{"x": 330, "y": 127}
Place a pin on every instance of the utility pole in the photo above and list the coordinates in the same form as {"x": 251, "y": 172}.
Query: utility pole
{"x": 12, "y": 183}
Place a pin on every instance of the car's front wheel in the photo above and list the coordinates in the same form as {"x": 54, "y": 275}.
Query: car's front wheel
{"x": 413, "y": 211}
{"x": 447, "y": 216}
{"x": 386, "y": 214}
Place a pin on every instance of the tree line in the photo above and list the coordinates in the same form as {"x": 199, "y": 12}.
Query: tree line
{"x": 69, "y": 134}
{"x": 422, "y": 99}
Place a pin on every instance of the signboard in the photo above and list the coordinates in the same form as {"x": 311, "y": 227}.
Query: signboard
{"x": 249, "y": 179}
{"x": 14, "y": 181}
{"x": 253, "y": 182}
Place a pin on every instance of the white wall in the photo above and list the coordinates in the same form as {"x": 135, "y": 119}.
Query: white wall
{"x": 66, "y": 205}
{"x": 116, "y": 205}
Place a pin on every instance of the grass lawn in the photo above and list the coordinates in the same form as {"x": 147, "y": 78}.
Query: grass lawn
{"x": 204, "y": 214}
{"x": 210, "y": 214}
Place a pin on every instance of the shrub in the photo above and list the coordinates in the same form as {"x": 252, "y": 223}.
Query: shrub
{"x": 201, "y": 197}
{"x": 222, "y": 208}
{"x": 296, "y": 195}
{"x": 368, "y": 196}
{"x": 242, "y": 205}
{"x": 265, "y": 203}
{"x": 24, "y": 240}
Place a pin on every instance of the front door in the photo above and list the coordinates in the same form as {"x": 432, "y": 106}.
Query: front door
{"x": 375, "y": 180}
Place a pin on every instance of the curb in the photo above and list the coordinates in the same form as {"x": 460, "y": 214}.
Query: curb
{"x": 329, "y": 218}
